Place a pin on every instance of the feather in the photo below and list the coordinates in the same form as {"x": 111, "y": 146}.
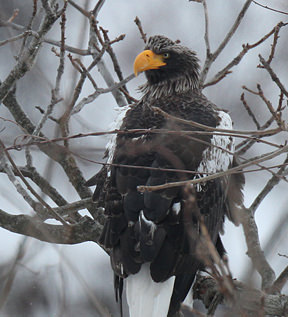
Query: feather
{"x": 146, "y": 297}
{"x": 110, "y": 148}
{"x": 219, "y": 156}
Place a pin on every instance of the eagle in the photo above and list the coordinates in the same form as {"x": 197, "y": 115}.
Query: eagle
{"x": 148, "y": 233}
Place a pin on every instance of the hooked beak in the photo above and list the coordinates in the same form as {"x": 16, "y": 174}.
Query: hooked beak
{"x": 147, "y": 60}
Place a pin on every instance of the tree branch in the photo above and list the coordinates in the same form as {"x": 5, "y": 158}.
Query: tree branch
{"x": 31, "y": 189}
{"x": 275, "y": 179}
{"x": 251, "y": 301}
{"x": 254, "y": 249}
{"x": 245, "y": 49}
{"x": 273, "y": 76}
{"x": 27, "y": 59}
{"x": 279, "y": 282}
{"x": 54, "y": 151}
{"x": 257, "y": 160}
{"x": 86, "y": 230}
{"x": 212, "y": 57}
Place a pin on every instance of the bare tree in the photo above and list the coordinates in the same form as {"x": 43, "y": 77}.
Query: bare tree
{"x": 261, "y": 149}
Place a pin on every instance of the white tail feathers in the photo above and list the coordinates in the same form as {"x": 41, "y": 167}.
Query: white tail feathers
{"x": 146, "y": 297}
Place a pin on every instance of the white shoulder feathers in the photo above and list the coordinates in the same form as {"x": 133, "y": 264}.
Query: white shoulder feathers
{"x": 218, "y": 156}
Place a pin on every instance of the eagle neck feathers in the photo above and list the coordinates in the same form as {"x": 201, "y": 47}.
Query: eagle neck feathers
{"x": 170, "y": 87}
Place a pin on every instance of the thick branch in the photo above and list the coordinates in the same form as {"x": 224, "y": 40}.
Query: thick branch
{"x": 251, "y": 301}
{"x": 41, "y": 182}
{"x": 254, "y": 249}
{"x": 280, "y": 282}
{"x": 86, "y": 230}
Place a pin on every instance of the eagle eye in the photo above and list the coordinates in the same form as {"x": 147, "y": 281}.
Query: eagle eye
{"x": 166, "y": 55}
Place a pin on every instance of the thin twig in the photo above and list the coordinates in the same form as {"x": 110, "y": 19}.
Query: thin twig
{"x": 273, "y": 75}
{"x": 77, "y": 90}
{"x": 29, "y": 26}
{"x": 81, "y": 10}
{"x": 46, "y": 115}
{"x": 277, "y": 116}
{"x": 208, "y": 128}
{"x": 57, "y": 217}
{"x": 261, "y": 158}
{"x": 10, "y": 173}
{"x": 71, "y": 109}
{"x": 269, "y": 8}
{"x": 275, "y": 179}
{"x": 31, "y": 173}
{"x": 273, "y": 47}
{"x": 114, "y": 59}
{"x": 102, "y": 68}
{"x": 244, "y": 146}
{"x": 68, "y": 48}
{"x": 249, "y": 111}
{"x": 245, "y": 49}
{"x": 261, "y": 168}
{"x": 14, "y": 15}
{"x": 64, "y": 120}
{"x": 175, "y": 170}
{"x": 27, "y": 59}
{"x": 52, "y": 150}
{"x": 98, "y": 7}
{"x": 60, "y": 70}
{"x": 40, "y": 140}
{"x": 16, "y": 26}
{"x": 140, "y": 28}
{"x": 18, "y": 37}
{"x": 212, "y": 57}
{"x": 99, "y": 91}
{"x": 206, "y": 34}
{"x": 86, "y": 71}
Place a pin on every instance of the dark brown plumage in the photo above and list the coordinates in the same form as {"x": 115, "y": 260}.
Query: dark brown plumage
{"x": 151, "y": 227}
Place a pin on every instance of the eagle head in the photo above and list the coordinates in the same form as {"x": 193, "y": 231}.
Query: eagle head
{"x": 165, "y": 61}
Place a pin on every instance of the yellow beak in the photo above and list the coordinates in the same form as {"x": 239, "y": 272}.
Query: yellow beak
{"x": 147, "y": 60}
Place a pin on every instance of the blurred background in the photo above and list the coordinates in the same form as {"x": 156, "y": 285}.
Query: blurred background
{"x": 42, "y": 279}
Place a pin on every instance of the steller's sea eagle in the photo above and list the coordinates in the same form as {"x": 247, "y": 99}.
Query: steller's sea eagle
{"x": 146, "y": 232}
